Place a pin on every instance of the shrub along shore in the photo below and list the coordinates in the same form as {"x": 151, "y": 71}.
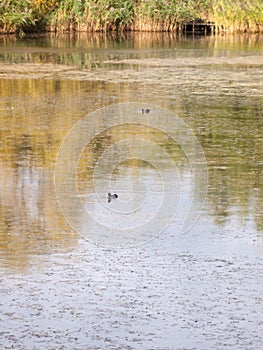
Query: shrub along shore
{"x": 214, "y": 16}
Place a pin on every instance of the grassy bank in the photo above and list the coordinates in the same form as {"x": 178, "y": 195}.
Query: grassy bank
{"x": 136, "y": 15}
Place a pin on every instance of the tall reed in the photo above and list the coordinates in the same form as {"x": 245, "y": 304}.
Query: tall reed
{"x": 97, "y": 15}
{"x": 238, "y": 16}
{"x": 15, "y": 15}
{"x": 120, "y": 15}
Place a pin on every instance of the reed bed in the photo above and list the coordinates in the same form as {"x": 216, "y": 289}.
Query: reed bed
{"x": 238, "y": 16}
{"x": 130, "y": 15}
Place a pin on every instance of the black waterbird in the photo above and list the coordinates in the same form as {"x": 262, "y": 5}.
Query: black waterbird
{"x": 146, "y": 111}
{"x": 112, "y": 196}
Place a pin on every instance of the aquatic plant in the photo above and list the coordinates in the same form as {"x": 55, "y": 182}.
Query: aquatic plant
{"x": 97, "y": 15}
{"x": 167, "y": 15}
{"x": 43, "y": 10}
{"x": 120, "y": 15}
{"x": 16, "y": 15}
{"x": 238, "y": 16}
{"x": 67, "y": 14}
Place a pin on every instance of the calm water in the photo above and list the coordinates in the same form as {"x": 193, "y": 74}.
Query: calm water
{"x": 60, "y": 288}
{"x": 47, "y": 85}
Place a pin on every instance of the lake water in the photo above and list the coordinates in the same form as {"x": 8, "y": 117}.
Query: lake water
{"x": 176, "y": 261}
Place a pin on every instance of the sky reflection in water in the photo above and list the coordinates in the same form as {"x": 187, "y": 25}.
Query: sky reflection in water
{"x": 48, "y": 84}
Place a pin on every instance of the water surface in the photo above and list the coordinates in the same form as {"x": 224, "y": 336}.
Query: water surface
{"x": 49, "y": 83}
{"x": 214, "y": 84}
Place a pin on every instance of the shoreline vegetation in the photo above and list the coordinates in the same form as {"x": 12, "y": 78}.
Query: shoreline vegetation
{"x": 201, "y": 16}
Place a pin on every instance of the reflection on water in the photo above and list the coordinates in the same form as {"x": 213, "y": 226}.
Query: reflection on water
{"x": 49, "y": 83}
{"x": 129, "y": 137}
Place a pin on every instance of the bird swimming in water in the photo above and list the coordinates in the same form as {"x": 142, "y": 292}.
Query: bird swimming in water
{"x": 147, "y": 111}
{"x": 111, "y": 196}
